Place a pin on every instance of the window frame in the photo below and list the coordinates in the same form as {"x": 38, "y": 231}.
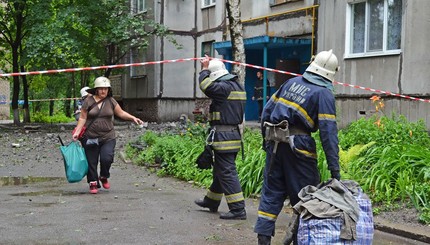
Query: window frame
{"x": 274, "y": 3}
{"x": 349, "y": 42}
{"x": 137, "y": 71}
{"x": 205, "y": 44}
{"x": 211, "y": 3}
{"x": 136, "y": 5}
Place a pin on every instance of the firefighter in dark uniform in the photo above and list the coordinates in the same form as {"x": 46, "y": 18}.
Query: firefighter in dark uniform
{"x": 225, "y": 114}
{"x": 302, "y": 105}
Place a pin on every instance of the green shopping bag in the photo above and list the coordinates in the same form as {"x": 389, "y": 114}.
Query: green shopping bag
{"x": 75, "y": 161}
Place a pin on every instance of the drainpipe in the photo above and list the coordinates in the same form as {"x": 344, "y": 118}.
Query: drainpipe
{"x": 161, "y": 51}
{"x": 264, "y": 75}
{"x": 313, "y": 31}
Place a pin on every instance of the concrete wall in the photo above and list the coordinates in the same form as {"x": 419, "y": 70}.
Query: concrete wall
{"x": 4, "y": 99}
{"x": 405, "y": 73}
{"x": 175, "y": 85}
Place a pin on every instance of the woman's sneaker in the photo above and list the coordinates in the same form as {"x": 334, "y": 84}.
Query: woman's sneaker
{"x": 93, "y": 187}
{"x": 105, "y": 182}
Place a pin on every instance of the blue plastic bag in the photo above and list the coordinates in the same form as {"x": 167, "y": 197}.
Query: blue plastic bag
{"x": 75, "y": 161}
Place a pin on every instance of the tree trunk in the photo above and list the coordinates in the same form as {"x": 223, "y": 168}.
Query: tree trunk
{"x": 25, "y": 106}
{"x": 236, "y": 36}
{"x": 51, "y": 108}
{"x": 15, "y": 93}
{"x": 69, "y": 94}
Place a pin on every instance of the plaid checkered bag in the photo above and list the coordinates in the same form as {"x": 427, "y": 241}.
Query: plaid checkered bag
{"x": 327, "y": 231}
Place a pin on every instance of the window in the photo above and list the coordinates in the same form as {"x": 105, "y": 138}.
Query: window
{"x": 374, "y": 28}
{"x": 274, "y": 2}
{"x": 208, "y": 3}
{"x": 207, "y": 48}
{"x": 137, "y": 56}
{"x": 138, "y": 6}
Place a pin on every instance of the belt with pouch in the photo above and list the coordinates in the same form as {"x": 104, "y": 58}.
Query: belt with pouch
{"x": 225, "y": 128}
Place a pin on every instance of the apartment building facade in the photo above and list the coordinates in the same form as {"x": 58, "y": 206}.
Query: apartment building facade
{"x": 380, "y": 45}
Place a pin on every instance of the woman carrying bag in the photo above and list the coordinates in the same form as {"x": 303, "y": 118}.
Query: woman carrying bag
{"x": 99, "y": 138}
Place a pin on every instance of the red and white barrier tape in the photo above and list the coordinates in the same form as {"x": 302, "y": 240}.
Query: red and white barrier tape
{"x": 190, "y": 59}
{"x": 334, "y": 82}
{"x": 93, "y": 68}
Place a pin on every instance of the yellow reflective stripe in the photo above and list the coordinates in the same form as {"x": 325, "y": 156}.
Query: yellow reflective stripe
{"x": 307, "y": 153}
{"x": 205, "y": 84}
{"x": 234, "y": 197}
{"x": 226, "y": 145}
{"x": 298, "y": 108}
{"x": 214, "y": 196}
{"x": 216, "y": 115}
{"x": 267, "y": 216}
{"x": 237, "y": 95}
{"x": 329, "y": 117}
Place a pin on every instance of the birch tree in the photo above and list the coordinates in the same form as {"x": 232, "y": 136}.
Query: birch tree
{"x": 236, "y": 36}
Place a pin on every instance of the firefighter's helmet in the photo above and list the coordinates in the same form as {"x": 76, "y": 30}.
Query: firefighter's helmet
{"x": 217, "y": 69}
{"x": 325, "y": 64}
{"x": 84, "y": 91}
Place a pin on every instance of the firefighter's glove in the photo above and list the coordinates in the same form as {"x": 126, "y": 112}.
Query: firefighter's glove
{"x": 335, "y": 174}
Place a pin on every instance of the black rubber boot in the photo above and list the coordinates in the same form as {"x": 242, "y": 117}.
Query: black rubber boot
{"x": 234, "y": 214}
{"x": 205, "y": 204}
{"x": 264, "y": 240}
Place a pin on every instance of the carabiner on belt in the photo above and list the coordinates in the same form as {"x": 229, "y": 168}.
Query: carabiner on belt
{"x": 210, "y": 138}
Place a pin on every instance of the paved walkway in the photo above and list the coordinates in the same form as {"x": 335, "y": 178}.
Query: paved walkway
{"x": 140, "y": 208}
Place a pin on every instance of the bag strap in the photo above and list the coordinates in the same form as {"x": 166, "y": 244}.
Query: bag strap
{"x": 94, "y": 105}
{"x": 61, "y": 141}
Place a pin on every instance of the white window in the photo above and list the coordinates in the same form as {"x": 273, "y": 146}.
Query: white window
{"x": 374, "y": 28}
{"x": 207, "y": 48}
{"x": 208, "y": 3}
{"x": 137, "y": 56}
{"x": 138, "y": 6}
{"x": 274, "y": 2}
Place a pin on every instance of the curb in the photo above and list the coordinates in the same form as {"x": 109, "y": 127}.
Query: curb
{"x": 412, "y": 232}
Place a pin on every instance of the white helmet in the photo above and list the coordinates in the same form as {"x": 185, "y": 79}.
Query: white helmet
{"x": 84, "y": 91}
{"x": 102, "y": 82}
{"x": 217, "y": 69}
{"x": 325, "y": 64}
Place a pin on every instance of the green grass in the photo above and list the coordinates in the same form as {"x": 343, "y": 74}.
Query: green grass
{"x": 391, "y": 162}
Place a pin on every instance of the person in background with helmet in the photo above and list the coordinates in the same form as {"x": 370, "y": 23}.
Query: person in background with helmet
{"x": 226, "y": 112}
{"x": 84, "y": 94}
{"x": 99, "y": 142}
{"x": 304, "y": 105}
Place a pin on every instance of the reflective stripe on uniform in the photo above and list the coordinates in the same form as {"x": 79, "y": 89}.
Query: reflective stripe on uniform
{"x": 328, "y": 117}
{"x": 226, "y": 145}
{"x": 297, "y": 108}
{"x": 307, "y": 153}
{"x": 267, "y": 216}
{"x": 214, "y": 196}
{"x": 205, "y": 84}
{"x": 237, "y": 95}
{"x": 234, "y": 197}
{"x": 216, "y": 115}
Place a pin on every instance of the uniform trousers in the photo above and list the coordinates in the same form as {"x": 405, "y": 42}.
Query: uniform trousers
{"x": 289, "y": 173}
{"x": 225, "y": 181}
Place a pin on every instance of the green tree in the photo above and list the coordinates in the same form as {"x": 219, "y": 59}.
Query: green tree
{"x": 54, "y": 34}
{"x": 13, "y": 26}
